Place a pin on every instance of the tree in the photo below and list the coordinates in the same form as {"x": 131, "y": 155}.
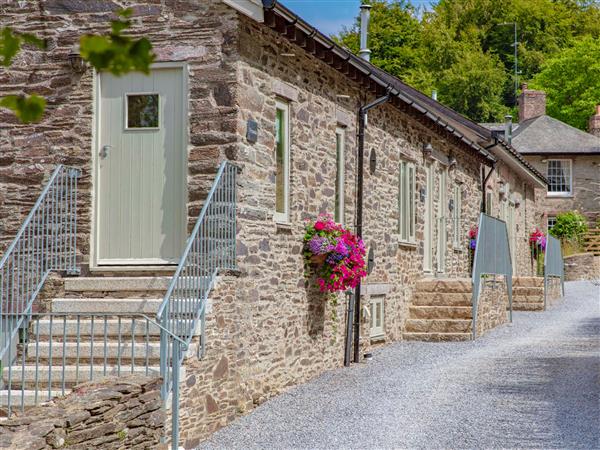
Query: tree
{"x": 115, "y": 53}
{"x": 572, "y": 82}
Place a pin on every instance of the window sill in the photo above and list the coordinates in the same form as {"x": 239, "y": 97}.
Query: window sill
{"x": 559, "y": 195}
{"x": 458, "y": 249}
{"x": 283, "y": 226}
{"x": 408, "y": 245}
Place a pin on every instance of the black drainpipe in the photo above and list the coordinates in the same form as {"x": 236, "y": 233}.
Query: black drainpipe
{"x": 362, "y": 114}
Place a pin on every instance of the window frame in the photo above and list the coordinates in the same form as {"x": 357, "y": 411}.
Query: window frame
{"x": 126, "y": 126}
{"x": 376, "y": 332}
{"x": 548, "y": 219}
{"x": 457, "y": 232}
{"x": 283, "y": 217}
{"x": 568, "y": 193}
{"x": 407, "y": 202}
{"x": 340, "y": 175}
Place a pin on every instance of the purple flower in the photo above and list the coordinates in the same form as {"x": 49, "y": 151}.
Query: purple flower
{"x": 319, "y": 245}
{"x": 473, "y": 244}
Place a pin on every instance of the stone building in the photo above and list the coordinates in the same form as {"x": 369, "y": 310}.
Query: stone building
{"x": 254, "y": 84}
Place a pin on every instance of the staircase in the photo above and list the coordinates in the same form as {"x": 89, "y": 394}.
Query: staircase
{"x": 101, "y": 327}
{"x": 528, "y": 293}
{"x": 440, "y": 311}
{"x": 591, "y": 241}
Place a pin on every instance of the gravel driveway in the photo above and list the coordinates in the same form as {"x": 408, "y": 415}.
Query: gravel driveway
{"x": 532, "y": 384}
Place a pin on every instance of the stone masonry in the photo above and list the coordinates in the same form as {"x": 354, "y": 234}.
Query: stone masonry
{"x": 116, "y": 413}
{"x": 583, "y": 266}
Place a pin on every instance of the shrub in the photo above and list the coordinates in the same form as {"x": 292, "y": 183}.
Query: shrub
{"x": 570, "y": 227}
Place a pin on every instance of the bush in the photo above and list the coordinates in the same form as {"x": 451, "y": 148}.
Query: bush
{"x": 570, "y": 227}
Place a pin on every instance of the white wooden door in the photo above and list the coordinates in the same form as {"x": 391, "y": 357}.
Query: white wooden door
{"x": 141, "y": 173}
{"x": 441, "y": 220}
{"x": 428, "y": 241}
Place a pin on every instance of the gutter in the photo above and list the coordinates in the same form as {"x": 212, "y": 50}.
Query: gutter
{"x": 366, "y": 70}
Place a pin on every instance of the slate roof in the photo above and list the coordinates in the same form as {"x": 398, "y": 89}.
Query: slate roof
{"x": 545, "y": 135}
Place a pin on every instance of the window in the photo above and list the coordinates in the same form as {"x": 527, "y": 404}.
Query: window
{"x": 406, "y": 202}
{"x": 282, "y": 158}
{"x": 340, "y": 175}
{"x": 457, "y": 216}
{"x": 559, "y": 177}
{"x": 377, "y": 318}
{"x": 551, "y": 222}
{"x": 489, "y": 206}
{"x": 142, "y": 111}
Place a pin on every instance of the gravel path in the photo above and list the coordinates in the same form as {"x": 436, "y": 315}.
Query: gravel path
{"x": 532, "y": 384}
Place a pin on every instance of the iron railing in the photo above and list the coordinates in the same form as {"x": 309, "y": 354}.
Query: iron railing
{"x": 209, "y": 249}
{"x": 45, "y": 242}
{"x": 491, "y": 257}
{"x": 553, "y": 265}
{"x": 56, "y": 351}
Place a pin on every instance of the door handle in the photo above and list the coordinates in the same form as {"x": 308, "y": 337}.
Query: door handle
{"x": 104, "y": 151}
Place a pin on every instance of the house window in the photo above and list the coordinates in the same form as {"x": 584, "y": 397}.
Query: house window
{"x": 142, "y": 111}
{"x": 456, "y": 217}
{"x": 551, "y": 222}
{"x": 340, "y": 175}
{"x": 489, "y": 207}
{"x": 282, "y": 157}
{"x": 377, "y": 317}
{"x": 406, "y": 202}
{"x": 559, "y": 177}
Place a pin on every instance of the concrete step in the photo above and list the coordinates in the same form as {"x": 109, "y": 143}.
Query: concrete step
{"x": 528, "y": 281}
{"x": 29, "y": 397}
{"x": 114, "y": 284}
{"x": 441, "y": 299}
{"x": 528, "y": 290}
{"x": 437, "y": 337}
{"x": 83, "y": 328}
{"x": 537, "y": 306}
{"x": 441, "y": 312}
{"x": 106, "y": 305}
{"x": 438, "y": 325}
{"x": 114, "y": 350}
{"x": 444, "y": 285}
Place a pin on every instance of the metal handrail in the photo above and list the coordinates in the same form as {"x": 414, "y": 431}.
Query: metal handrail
{"x": 492, "y": 257}
{"x": 209, "y": 249}
{"x": 47, "y": 241}
{"x": 553, "y": 265}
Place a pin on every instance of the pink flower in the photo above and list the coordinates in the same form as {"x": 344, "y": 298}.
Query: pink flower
{"x": 319, "y": 226}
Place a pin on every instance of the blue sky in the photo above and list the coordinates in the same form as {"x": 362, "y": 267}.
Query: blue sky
{"x": 329, "y": 16}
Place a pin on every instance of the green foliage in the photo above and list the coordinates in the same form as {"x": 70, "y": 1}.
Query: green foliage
{"x": 116, "y": 53}
{"x": 571, "y": 80}
{"x": 464, "y": 48}
{"x": 570, "y": 226}
{"x": 27, "y": 108}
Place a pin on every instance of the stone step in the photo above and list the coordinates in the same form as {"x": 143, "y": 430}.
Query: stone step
{"x": 106, "y": 305}
{"x": 83, "y": 328}
{"x": 437, "y": 337}
{"x": 528, "y": 298}
{"x": 441, "y": 312}
{"x": 537, "y": 306}
{"x": 438, "y": 325}
{"x": 528, "y": 290}
{"x": 72, "y": 374}
{"x": 29, "y": 397}
{"x": 444, "y": 285}
{"x": 441, "y": 299}
{"x": 114, "y": 350}
{"x": 528, "y": 282}
{"x": 114, "y": 284}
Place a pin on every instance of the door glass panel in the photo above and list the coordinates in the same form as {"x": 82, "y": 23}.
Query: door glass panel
{"x": 142, "y": 111}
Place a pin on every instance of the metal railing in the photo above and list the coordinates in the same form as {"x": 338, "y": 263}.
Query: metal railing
{"x": 56, "y": 351}
{"x": 45, "y": 242}
{"x": 492, "y": 257}
{"x": 209, "y": 249}
{"x": 554, "y": 266}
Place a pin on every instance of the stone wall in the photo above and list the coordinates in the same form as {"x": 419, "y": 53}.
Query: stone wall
{"x": 115, "y": 413}
{"x": 586, "y": 187}
{"x": 554, "y": 292}
{"x": 492, "y": 306}
{"x": 583, "y": 266}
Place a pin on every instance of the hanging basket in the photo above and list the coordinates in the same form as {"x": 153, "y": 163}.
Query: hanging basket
{"x": 318, "y": 260}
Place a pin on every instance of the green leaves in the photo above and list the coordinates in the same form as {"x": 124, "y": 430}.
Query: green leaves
{"x": 11, "y": 42}
{"x": 116, "y": 53}
{"x": 28, "y": 109}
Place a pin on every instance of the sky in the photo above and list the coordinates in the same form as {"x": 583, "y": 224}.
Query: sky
{"x": 329, "y": 16}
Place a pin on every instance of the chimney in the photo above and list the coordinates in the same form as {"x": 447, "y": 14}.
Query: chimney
{"x": 532, "y": 103}
{"x": 365, "y": 16}
{"x": 594, "y": 123}
{"x": 508, "y": 128}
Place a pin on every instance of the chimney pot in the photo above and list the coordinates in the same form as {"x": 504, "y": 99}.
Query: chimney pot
{"x": 365, "y": 17}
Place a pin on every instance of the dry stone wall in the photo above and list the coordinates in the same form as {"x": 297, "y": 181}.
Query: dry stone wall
{"x": 583, "y": 266}
{"x": 116, "y": 413}
{"x": 492, "y": 305}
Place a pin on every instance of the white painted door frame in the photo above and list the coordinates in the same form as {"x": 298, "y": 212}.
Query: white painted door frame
{"x": 441, "y": 222}
{"x": 428, "y": 232}
{"x": 132, "y": 265}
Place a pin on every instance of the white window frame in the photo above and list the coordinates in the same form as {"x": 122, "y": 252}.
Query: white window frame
{"x": 568, "y": 193}
{"x": 457, "y": 218}
{"x": 126, "y": 126}
{"x": 284, "y": 216}
{"x": 489, "y": 203}
{"x": 548, "y": 219}
{"x": 340, "y": 188}
{"x": 407, "y": 204}
{"x": 377, "y": 332}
